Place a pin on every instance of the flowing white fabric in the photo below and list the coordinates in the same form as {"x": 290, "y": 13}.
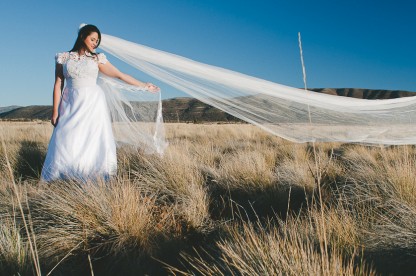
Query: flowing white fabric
{"x": 291, "y": 113}
{"x": 136, "y": 115}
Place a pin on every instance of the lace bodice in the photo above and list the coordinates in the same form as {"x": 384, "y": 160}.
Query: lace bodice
{"x": 80, "y": 69}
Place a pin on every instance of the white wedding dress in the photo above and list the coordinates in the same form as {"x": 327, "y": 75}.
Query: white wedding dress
{"x": 82, "y": 145}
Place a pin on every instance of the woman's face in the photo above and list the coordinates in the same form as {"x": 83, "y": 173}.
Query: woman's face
{"x": 91, "y": 42}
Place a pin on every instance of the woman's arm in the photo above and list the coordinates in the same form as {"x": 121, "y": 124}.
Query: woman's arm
{"x": 57, "y": 91}
{"x": 111, "y": 71}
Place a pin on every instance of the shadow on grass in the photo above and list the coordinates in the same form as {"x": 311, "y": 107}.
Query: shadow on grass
{"x": 29, "y": 160}
{"x": 392, "y": 261}
{"x": 131, "y": 261}
{"x": 253, "y": 204}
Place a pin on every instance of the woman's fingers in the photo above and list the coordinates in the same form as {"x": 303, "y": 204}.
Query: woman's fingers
{"x": 152, "y": 88}
{"x": 155, "y": 88}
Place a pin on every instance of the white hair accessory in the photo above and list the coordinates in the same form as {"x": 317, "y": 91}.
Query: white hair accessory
{"x": 82, "y": 25}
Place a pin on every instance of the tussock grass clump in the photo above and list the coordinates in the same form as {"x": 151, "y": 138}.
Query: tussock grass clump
{"x": 15, "y": 256}
{"x": 294, "y": 167}
{"x": 282, "y": 248}
{"x": 178, "y": 183}
{"x": 393, "y": 170}
{"x": 114, "y": 217}
{"x": 246, "y": 170}
{"x": 382, "y": 182}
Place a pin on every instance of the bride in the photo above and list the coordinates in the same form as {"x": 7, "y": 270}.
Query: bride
{"x": 82, "y": 145}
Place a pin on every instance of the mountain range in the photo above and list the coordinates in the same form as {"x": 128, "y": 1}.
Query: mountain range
{"x": 193, "y": 110}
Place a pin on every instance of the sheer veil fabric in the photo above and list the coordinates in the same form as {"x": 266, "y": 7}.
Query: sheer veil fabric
{"x": 291, "y": 113}
{"x": 136, "y": 115}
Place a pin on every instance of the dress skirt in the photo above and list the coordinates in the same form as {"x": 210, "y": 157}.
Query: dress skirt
{"x": 82, "y": 145}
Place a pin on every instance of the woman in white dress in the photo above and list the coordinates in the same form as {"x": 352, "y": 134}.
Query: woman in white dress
{"x": 82, "y": 145}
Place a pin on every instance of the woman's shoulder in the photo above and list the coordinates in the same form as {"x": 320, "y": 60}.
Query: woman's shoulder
{"x": 62, "y": 57}
{"x": 101, "y": 58}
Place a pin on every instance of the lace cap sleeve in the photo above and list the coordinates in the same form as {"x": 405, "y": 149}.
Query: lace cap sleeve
{"x": 61, "y": 58}
{"x": 101, "y": 58}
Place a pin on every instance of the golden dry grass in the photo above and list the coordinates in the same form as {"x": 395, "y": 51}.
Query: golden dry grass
{"x": 224, "y": 199}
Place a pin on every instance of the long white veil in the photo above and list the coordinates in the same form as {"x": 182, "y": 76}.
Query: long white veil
{"x": 136, "y": 115}
{"x": 291, "y": 113}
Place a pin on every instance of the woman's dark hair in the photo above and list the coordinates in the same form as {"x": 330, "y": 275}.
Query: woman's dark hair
{"x": 83, "y": 33}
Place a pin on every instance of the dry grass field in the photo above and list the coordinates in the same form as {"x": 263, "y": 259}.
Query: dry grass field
{"x": 225, "y": 199}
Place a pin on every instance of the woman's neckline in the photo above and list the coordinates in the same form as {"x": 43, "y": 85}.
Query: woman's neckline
{"x": 87, "y": 54}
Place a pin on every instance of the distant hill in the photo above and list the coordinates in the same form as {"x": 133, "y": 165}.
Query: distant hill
{"x": 8, "y": 108}
{"x": 33, "y": 112}
{"x": 193, "y": 110}
{"x": 370, "y": 94}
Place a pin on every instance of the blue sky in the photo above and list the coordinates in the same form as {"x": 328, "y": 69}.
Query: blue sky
{"x": 360, "y": 44}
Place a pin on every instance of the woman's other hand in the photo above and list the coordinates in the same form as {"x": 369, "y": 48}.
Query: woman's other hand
{"x": 54, "y": 119}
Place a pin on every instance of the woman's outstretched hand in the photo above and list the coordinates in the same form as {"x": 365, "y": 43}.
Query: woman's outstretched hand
{"x": 152, "y": 88}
